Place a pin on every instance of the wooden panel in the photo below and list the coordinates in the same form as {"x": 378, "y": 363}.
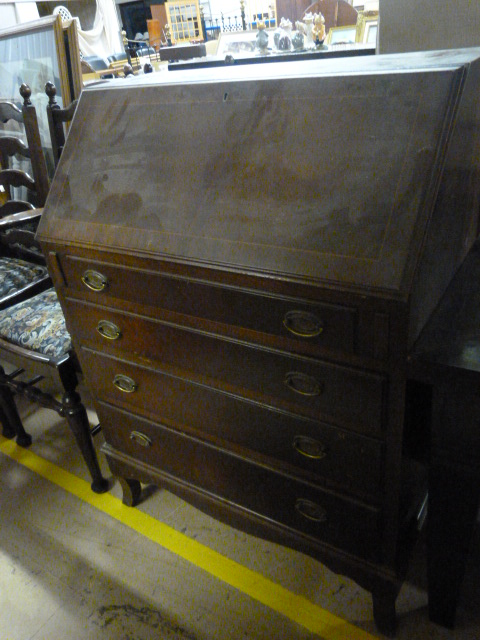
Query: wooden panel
{"x": 345, "y": 524}
{"x": 348, "y": 398}
{"x": 256, "y": 170}
{"x": 349, "y": 462}
{"x": 154, "y": 33}
{"x": 323, "y": 326}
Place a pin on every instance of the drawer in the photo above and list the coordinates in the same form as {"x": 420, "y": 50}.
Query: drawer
{"x": 345, "y": 397}
{"x": 334, "y": 519}
{"x": 333, "y": 456}
{"x": 318, "y": 325}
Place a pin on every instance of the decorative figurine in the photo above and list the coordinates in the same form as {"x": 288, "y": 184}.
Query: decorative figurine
{"x": 262, "y": 38}
{"x": 308, "y": 22}
{"x": 318, "y": 31}
{"x": 285, "y": 35}
{"x": 298, "y": 41}
{"x": 168, "y": 35}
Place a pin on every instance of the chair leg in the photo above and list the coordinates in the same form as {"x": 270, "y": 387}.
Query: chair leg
{"x": 7, "y": 430}
{"x": 11, "y": 422}
{"x": 77, "y": 418}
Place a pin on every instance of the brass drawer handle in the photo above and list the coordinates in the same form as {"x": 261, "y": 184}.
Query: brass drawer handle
{"x": 124, "y": 383}
{"x": 309, "y": 447}
{"x": 109, "y": 330}
{"x": 310, "y": 510}
{"x": 94, "y": 280}
{"x": 302, "y": 384}
{"x": 141, "y": 439}
{"x": 303, "y": 324}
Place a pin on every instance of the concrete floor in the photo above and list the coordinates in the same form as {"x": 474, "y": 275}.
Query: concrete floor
{"x": 69, "y": 570}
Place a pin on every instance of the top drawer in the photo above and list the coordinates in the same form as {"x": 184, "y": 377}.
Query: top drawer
{"x": 323, "y": 325}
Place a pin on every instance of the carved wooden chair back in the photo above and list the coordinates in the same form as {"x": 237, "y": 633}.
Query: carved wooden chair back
{"x": 57, "y": 118}
{"x": 37, "y": 185}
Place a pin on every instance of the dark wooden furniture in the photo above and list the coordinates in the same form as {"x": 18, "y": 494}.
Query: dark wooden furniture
{"x": 337, "y": 13}
{"x": 182, "y": 52}
{"x": 58, "y": 117}
{"x": 244, "y": 270}
{"x": 446, "y": 359}
{"x": 291, "y": 9}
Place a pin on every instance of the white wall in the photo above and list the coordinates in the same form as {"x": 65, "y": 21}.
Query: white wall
{"x": 8, "y": 16}
{"x": 15, "y": 13}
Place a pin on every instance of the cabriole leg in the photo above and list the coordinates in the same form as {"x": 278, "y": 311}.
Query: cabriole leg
{"x": 132, "y": 491}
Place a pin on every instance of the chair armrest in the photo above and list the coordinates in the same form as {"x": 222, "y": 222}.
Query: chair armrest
{"x": 19, "y": 219}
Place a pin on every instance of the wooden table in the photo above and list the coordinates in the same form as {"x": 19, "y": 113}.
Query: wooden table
{"x": 446, "y": 358}
{"x": 325, "y": 53}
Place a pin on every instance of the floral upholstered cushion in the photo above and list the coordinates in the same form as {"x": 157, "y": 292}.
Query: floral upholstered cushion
{"x": 16, "y": 274}
{"x": 37, "y": 324}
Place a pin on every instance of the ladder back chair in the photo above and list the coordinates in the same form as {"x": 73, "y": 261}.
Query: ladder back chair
{"x": 37, "y": 185}
{"x": 33, "y": 336}
{"x": 57, "y": 118}
{"x": 22, "y": 270}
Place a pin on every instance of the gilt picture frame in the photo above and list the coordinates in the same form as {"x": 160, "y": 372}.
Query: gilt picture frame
{"x": 367, "y": 27}
{"x": 342, "y": 35}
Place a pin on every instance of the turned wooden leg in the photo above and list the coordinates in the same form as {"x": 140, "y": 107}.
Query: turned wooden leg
{"x": 11, "y": 422}
{"x": 77, "y": 418}
{"x": 132, "y": 491}
{"x": 384, "y": 610}
{"x": 7, "y": 429}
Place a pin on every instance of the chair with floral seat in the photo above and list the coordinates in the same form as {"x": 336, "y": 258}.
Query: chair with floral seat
{"x": 33, "y": 334}
{"x": 34, "y": 338}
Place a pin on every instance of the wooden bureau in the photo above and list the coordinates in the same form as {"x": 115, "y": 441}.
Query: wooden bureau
{"x": 244, "y": 263}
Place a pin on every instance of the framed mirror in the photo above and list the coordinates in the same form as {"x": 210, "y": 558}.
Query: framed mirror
{"x": 34, "y": 53}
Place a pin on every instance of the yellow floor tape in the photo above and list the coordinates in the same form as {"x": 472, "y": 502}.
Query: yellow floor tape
{"x": 295, "y": 607}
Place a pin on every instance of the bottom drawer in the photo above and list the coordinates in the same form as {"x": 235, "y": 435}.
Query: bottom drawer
{"x": 343, "y": 523}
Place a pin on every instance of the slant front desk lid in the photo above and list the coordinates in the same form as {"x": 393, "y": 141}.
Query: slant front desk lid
{"x": 319, "y": 171}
